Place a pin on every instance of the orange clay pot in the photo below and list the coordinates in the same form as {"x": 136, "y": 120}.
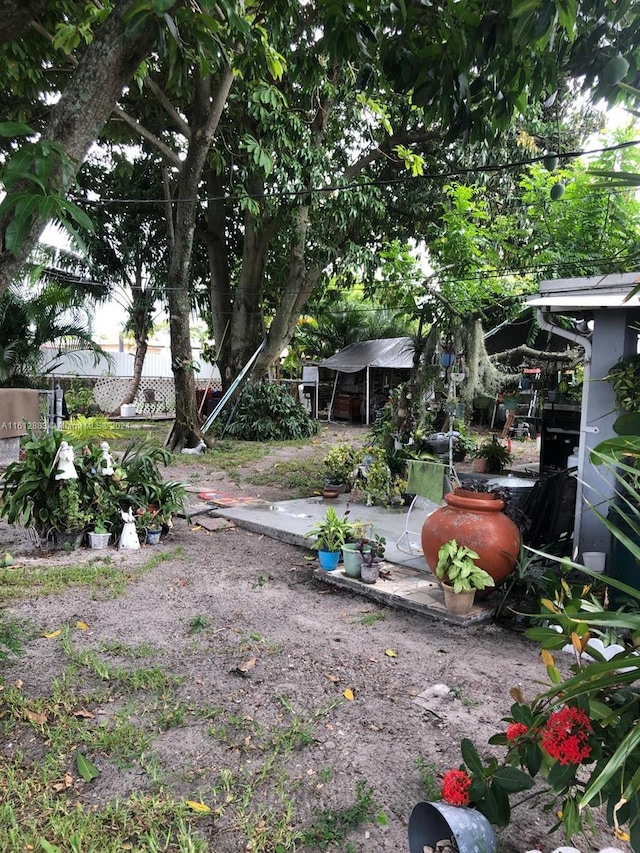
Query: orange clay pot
{"x": 476, "y": 520}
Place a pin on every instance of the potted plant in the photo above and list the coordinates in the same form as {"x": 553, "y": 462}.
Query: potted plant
{"x": 100, "y": 535}
{"x": 149, "y": 520}
{"x": 460, "y": 577}
{"x": 362, "y": 553}
{"x": 495, "y": 454}
{"x": 330, "y": 534}
{"x": 338, "y": 465}
{"x": 70, "y": 519}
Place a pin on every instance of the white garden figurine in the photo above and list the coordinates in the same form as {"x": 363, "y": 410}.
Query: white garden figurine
{"x": 63, "y": 463}
{"x": 129, "y": 537}
{"x": 105, "y": 466}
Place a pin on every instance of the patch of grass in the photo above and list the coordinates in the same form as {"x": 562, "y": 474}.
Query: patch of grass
{"x": 260, "y": 581}
{"x": 198, "y": 624}
{"x": 105, "y": 581}
{"x": 296, "y": 475}
{"x": 368, "y": 619}
{"x": 430, "y": 778}
{"x": 332, "y": 826}
{"x": 13, "y": 634}
{"x": 118, "y": 649}
{"x": 466, "y": 700}
{"x": 228, "y": 455}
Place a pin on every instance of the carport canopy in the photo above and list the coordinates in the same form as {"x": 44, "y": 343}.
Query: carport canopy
{"x": 392, "y": 353}
{"x": 386, "y": 352}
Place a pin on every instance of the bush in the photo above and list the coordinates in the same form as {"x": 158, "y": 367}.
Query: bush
{"x": 267, "y": 412}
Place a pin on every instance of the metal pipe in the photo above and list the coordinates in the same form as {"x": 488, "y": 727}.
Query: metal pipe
{"x": 583, "y": 341}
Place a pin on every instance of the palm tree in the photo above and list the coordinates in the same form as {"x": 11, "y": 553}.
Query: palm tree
{"x": 53, "y": 314}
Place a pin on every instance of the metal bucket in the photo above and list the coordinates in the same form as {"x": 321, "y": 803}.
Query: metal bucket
{"x": 430, "y": 823}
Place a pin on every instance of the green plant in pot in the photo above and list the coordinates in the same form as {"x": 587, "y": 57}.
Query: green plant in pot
{"x": 330, "y": 534}
{"x": 338, "y": 465}
{"x": 362, "y": 552}
{"x": 460, "y": 577}
{"x": 495, "y": 454}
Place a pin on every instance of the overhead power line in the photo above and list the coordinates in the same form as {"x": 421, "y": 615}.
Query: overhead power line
{"x": 348, "y": 187}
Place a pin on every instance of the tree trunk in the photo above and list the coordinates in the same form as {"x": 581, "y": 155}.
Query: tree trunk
{"x": 86, "y": 104}
{"x": 298, "y": 291}
{"x": 138, "y": 364}
{"x": 208, "y": 108}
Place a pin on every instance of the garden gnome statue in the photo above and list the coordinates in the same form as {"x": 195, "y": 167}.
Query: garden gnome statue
{"x": 63, "y": 463}
{"x": 129, "y": 537}
{"x": 106, "y": 460}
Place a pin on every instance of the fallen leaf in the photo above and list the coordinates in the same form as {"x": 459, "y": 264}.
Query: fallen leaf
{"x": 547, "y": 658}
{"x": 87, "y": 769}
{"x": 348, "y": 694}
{"x": 333, "y": 678}
{"x": 621, "y": 835}
{"x": 390, "y": 653}
{"x": 18, "y": 683}
{"x": 67, "y": 782}
{"x": 198, "y": 807}
{"x": 82, "y": 712}
{"x": 374, "y": 660}
{"x": 82, "y": 625}
{"x": 517, "y": 694}
{"x": 53, "y": 634}
{"x": 243, "y": 668}
{"x": 36, "y": 717}
{"x": 374, "y": 728}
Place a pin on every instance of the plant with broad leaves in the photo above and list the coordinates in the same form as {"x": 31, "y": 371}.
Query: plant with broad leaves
{"x": 581, "y": 733}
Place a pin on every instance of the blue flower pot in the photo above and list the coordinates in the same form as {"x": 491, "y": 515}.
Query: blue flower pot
{"x": 328, "y": 560}
{"x": 433, "y": 822}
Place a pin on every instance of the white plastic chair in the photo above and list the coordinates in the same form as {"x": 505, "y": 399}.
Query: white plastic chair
{"x": 427, "y": 481}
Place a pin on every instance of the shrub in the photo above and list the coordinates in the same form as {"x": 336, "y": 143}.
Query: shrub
{"x": 267, "y": 412}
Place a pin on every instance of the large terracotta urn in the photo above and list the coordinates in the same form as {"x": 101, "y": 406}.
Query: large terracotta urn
{"x": 474, "y": 519}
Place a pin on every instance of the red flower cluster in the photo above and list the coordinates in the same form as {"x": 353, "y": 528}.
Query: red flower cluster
{"x": 566, "y": 734}
{"x": 455, "y": 788}
{"x": 516, "y": 730}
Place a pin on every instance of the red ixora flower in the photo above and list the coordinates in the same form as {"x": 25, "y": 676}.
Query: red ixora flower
{"x": 455, "y": 788}
{"x": 566, "y": 734}
{"x": 516, "y": 730}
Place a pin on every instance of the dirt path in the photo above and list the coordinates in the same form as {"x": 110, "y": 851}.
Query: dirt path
{"x": 264, "y": 655}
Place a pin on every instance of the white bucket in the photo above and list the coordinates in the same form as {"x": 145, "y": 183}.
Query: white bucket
{"x": 128, "y": 411}
{"x": 594, "y": 560}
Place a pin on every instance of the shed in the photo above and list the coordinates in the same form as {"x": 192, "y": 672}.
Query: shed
{"x": 606, "y": 301}
{"x": 390, "y": 353}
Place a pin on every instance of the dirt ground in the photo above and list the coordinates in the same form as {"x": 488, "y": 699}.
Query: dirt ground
{"x": 274, "y": 645}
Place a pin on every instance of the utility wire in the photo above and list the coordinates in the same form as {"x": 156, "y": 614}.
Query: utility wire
{"x": 349, "y": 187}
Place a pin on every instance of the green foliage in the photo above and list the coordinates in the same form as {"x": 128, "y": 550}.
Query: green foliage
{"x": 456, "y": 566}
{"x": 32, "y": 497}
{"x": 625, "y": 378}
{"x": 496, "y": 455}
{"x": 79, "y": 399}
{"x": 32, "y": 166}
{"x": 331, "y": 826}
{"x": 12, "y": 637}
{"x": 582, "y": 732}
{"x": 267, "y": 412}
{"x": 330, "y": 533}
{"x": 374, "y": 481}
{"x": 339, "y": 462}
{"x": 56, "y": 315}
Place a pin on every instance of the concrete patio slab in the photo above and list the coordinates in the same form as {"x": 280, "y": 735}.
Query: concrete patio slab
{"x": 406, "y": 583}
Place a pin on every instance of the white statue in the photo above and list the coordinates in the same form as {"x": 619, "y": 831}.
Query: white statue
{"x": 129, "y": 537}
{"x": 63, "y": 463}
{"x": 105, "y": 466}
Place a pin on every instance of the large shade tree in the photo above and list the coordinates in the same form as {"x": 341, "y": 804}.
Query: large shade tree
{"x": 296, "y": 144}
